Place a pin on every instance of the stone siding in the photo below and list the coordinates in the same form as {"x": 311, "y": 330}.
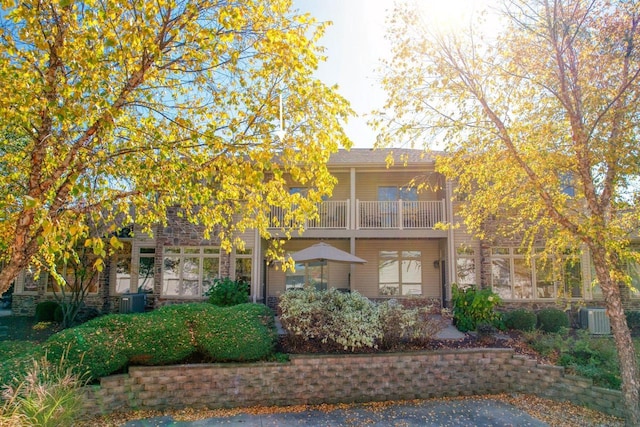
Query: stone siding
{"x": 344, "y": 379}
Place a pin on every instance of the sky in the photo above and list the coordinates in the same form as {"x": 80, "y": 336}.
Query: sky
{"x": 355, "y": 43}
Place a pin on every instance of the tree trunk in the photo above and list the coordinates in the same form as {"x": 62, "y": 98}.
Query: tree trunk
{"x": 622, "y": 337}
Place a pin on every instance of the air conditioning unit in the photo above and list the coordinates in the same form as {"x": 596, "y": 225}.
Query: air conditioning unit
{"x": 596, "y": 320}
{"x": 133, "y": 303}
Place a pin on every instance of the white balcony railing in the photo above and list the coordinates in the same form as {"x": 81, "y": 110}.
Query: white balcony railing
{"x": 400, "y": 214}
{"x": 331, "y": 214}
{"x": 397, "y": 215}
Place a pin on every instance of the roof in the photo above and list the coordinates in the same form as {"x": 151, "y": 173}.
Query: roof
{"x": 371, "y": 156}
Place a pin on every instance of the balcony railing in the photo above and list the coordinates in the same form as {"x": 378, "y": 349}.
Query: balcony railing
{"x": 397, "y": 215}
{"x": 331, "y": 214}
{"x": 400, "y": 214}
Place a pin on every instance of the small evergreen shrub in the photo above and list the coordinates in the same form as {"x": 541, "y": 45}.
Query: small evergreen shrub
{"x": 552, "y": 320}
{"x": 45, "y": 311}
{"x": 472, "y": 306}
{"x": 520, "y": 320}
{"x": 226, "y": 292}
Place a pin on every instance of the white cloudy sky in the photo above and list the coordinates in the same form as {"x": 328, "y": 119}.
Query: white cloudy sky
{"x": 355, "y": 43}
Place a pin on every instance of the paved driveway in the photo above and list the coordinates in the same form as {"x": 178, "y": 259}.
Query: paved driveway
{"x": 467, "y": 412}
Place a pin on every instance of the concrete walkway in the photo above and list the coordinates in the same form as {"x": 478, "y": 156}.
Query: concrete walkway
{"x": 454, "y": 413}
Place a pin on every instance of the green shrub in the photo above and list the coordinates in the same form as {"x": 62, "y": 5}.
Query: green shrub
{"x": 50, "y": 395}
{"x": 633, "y": 321}
{"x": 552, "y": 320}
{"x": 169, "y": 335}
{"x": 401, "y": 324}
{"x": 472, "y": 306}
{"x": 244, "y": 332}
{"x": 335, "y": 319}
{"x": 520, "y": 320}
{"x": 45, "y": 311}
{"x": 226, "y": 292}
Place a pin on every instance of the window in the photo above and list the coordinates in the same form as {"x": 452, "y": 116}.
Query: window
{"x": 77, "y": 278}
{"x": 400, "y": 273}
{"x": 512, "y": 277}
{"x": 134, "y": 269}
{"x": 29, "y": 282}
{"x": 189, "y": 271}
{"x": 310, "y": 273}
{"x": 465, "y": 266}
{"x": 243, "y": 262}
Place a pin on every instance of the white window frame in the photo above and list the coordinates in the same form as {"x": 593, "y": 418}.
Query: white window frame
{"x": 187, "y": 252}
{"x": 399, "y": 258}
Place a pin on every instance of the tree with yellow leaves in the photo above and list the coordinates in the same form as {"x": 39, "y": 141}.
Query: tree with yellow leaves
{"x": 111, "y": 111}
{"x": 549, "y": 101}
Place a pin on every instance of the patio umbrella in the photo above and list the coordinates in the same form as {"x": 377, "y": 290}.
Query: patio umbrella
{"x": 324, "y": 252}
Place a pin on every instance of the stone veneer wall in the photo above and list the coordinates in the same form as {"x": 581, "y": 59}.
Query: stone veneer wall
{"x": 344, "y": 379}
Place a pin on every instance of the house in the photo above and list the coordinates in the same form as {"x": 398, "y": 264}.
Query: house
{"x": 375, "y": 214}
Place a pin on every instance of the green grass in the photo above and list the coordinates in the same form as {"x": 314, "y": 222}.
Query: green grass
{"x": 21, "y": 328}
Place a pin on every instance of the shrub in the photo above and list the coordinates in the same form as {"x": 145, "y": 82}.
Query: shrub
{"x": 552, "y": 320}
{"x": 400, "y": 324}
{"x": 244, "y": 332}
{"x": 169, "y": 335}
{"x": 50, "y": 395}
{"x": 335, "y": 319}
{"x": 45, "y": 311}
{"x": 633, "y": 321}
{"x": 521, "y": 320}
{"x": 472, "y": 306}
{"x": 226, "y": 292}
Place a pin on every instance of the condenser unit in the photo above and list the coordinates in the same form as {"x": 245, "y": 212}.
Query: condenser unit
{"x": 133, "y": 303}
{"x": 595, "y": 320}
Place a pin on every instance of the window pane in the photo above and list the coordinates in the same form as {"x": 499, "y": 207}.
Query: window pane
{"x": 388, "y": 194}
{"x": 388, "y": 254}
{"x": 145, "y": 274}
{"x": 170, "y": 276}
{"x": 123, "y": 274}
{"x": 388, "y": 271}
{"x": 545, "y": 286}
{"x": 212, "y": 250}
{"x": 411, "y": 271}
{"x": 466, "y": 271}
{"x": 317, "y": 275}
{"x": 210, "y": 270}
{"x": 501, "y": 277}
{"x": 171, "y": 250}
{"x": 411, "y": 254}
{"x": 295, "y": 279}
{"x": 390, "y": 289}
{"x": 191, "y": 250}
{"x": 573, "y": 279}
{"x": 411, "y": 289}
{"x": 147, "y": 250}
{"x": 522, "y": 287}
{"x": 30, "y": 284}
{"x": 499, "y": 251}
{"x": 243, "y": 269}
{"x": 190, "y": 277}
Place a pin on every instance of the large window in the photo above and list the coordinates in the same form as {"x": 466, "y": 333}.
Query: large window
{"x": 513, "y": 277}
{"x": 76, "y": 278}
{"x": 189, "y": 271}
{"x": 465, "y": 266}
{"x": 243, "y": 261}
{"x": 400, "y": 273}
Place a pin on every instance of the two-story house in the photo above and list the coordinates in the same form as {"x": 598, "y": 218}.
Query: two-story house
{"x": 375, "y": 214}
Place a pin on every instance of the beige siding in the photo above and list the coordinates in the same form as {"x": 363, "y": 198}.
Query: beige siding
{"x": 342, "y": 189}
{"x": 365, "y": 279}
{"x": 367, "y": 184}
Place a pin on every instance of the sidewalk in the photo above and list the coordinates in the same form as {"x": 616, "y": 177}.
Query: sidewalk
{"x": 453, "y": 413}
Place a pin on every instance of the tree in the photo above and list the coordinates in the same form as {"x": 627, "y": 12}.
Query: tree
{"x": 548, "y": 102}
{"x": 114, "y": 110}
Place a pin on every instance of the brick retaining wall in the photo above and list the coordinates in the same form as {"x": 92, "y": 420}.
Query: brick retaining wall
{"x": 344, "y": 379}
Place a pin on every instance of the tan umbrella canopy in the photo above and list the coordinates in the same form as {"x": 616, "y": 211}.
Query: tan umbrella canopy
{"x": 325, "y": 252}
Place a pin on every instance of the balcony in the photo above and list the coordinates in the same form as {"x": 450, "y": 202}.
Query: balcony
{"x": 397, "y": 215}
{"x": 400, "y": 215}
